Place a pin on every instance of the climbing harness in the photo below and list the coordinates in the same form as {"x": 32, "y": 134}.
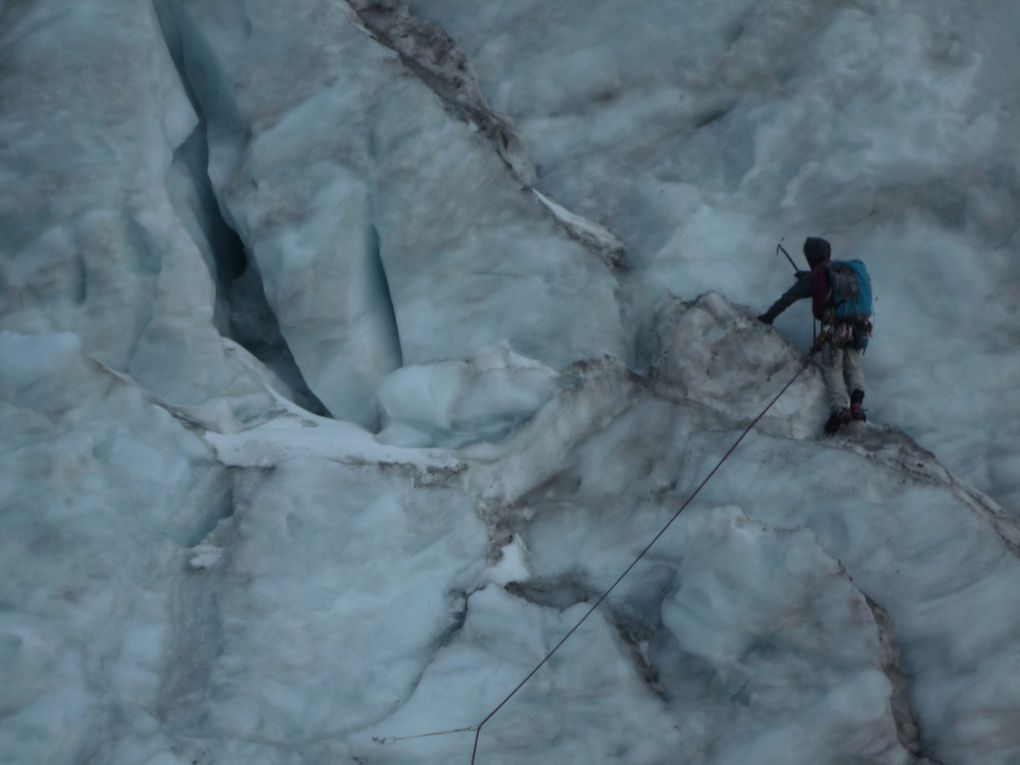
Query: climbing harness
{"x": 819, "y": 342}
{"x": 477, "y": 729}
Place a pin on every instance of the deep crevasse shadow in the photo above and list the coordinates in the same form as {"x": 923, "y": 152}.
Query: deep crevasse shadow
{"x": 241, "y": 312}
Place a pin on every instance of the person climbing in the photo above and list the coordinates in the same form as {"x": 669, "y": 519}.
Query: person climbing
{"x": 841, "y": 300}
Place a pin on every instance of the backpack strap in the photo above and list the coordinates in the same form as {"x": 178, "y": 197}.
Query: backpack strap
{"x": 821, "y": 294}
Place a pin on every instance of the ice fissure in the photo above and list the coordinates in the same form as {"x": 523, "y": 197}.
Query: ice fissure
{"x": 383, "y": 288}
{"x": 907, "y": 728}
{"x": 558, "y": 592}
{"x": 436, "y": 59}
{"x": 242, "y": 312}
{"x": 444, "y": 67}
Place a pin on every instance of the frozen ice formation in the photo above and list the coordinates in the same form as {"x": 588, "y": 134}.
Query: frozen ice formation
{"x": 386, "y": 232}
{"x": 349, "y": 352}
{"x": 453, "y": 403}
{"x": 701, "y": 133}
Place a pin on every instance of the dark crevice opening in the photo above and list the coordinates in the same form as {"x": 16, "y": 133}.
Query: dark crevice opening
{"x": 242, "y": 312}
{"x": 384, "y": 285}
{"x": 252, "y": 324}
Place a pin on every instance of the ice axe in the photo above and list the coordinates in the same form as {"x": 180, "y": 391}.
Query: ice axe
{"x": 816, "y": 341}
{"x": 781, "y": 249}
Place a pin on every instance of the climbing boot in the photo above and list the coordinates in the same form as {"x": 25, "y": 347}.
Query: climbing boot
{"x": 856, "y": 408}
{"x": 837, "y": 419}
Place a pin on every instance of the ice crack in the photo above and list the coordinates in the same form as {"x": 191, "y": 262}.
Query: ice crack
{"x": 896, "y": 449}
{"x": 243, "y": 313}
{"x": 907, "y": 728}
{"x": 442, "y": 65}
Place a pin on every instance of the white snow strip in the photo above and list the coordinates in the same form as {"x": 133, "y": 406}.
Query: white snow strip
{"x": 585, "y": 229}
{"x": 288, "y": 438}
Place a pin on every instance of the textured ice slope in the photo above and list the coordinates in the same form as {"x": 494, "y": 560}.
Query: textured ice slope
{"x": 346, "y": 590}
{"x": 387, "y": 231}
{"x": 828, "y": 604}
{"x": 214, "y": 212}
{"x": 96, "y": 237}
{"x": 102, "y": 492}
{"x": 702, "y": 133}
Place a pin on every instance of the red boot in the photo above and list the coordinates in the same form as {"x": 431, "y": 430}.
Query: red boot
{"x": 856, "y": 408}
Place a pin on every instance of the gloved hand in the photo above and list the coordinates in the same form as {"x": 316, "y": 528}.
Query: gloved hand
{"x": 800, "y": 274}
{"x": 765, "y": 319}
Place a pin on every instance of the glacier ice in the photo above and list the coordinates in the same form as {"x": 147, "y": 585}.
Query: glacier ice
{"x": 455, "y": 403}
{"x": 349, "y": 351}
{"x": 368, "y": 270}
{"x": 701, "y": 133}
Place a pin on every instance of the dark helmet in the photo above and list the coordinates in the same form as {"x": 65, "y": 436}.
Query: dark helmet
{"x": 816, "y": 250}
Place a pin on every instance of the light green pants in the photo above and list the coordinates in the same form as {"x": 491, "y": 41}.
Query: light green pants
{"x": 841, "y": 370}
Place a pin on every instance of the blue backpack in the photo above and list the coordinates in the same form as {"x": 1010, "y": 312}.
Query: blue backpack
{"x": 850, "y": 290}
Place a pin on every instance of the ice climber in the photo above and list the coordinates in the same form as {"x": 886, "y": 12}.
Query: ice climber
{"x": 841, "y": 300}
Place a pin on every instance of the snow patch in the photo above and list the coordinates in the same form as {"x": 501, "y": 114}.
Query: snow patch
{"x": 592, "y": 235}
